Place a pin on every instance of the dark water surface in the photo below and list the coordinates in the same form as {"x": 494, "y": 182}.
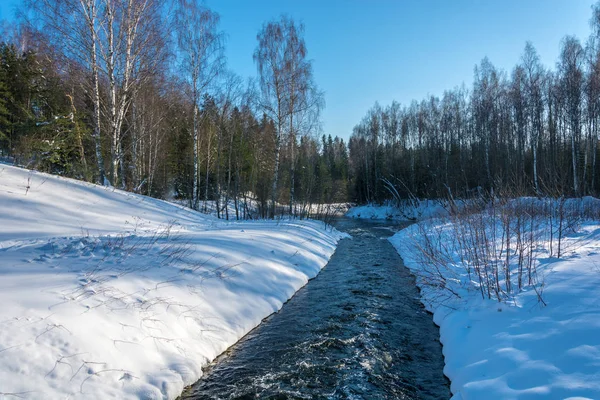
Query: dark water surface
{"x": 356, "y": 331}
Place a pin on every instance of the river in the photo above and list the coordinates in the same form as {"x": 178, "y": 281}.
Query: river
{"x": 356, "y": 331}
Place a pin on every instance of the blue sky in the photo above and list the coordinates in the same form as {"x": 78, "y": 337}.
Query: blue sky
{"x": 380, "y": 50}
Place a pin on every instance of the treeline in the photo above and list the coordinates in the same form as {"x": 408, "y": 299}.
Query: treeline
{"x": 137, "y": 94}
{"x": 531, "y": 132}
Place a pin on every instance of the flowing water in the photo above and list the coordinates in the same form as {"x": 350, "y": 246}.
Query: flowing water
{"x": 356, "y": 331}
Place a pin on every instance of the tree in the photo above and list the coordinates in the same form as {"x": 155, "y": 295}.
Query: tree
{"x": 534, "y": 74}
{"x": 75, "y": 26}
{"x": 486, "y": 94}
{"x": 5, "y": 95}
{"x": 571, "y": 73}
{"x": 200, "y": 47}
{"x": 286, "y": 87}
{"x": 132, "y": 51}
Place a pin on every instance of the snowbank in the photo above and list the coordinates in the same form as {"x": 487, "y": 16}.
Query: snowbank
{"x": 109, "y": 294}
{"x": 517, "y": 349}
{"x": 409, "y": 211}
{"x": 250, "y": 209}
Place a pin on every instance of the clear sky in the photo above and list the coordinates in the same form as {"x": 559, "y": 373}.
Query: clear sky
{"x": 380, "y": 50}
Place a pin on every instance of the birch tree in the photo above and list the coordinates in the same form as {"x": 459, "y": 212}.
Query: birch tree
{"x": 534, "y": 74}
{"x": 570, "y": 70}
{"x": 304, "y": 99}
{"x": 200, "y": 51}
{"x": 270, "y": 59}
{"x": 286, "y": 88}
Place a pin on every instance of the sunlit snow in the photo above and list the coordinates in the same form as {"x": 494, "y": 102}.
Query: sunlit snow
{"x": 109, "y": 294}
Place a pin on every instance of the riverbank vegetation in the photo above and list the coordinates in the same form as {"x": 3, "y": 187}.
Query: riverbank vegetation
{"x": 513, "y": 285}
{"x": 530, "y": 131}
{"x": 139, "y": 97}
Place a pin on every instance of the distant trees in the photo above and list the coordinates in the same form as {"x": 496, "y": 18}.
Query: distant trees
{"x": 570, "y": 70}
{"x": 534, "y": 104}
{"x": 534, "y": 132}
{"x": 124, "y": 93}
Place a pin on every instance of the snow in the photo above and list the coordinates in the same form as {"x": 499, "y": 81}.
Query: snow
{"x": 249, "y": 208}
{"x": 107, "y": 294}
{"x": 517, "y": 349}
{"x": 406, "y": 211}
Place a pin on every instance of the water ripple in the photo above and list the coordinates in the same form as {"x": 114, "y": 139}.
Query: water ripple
{"x": 357, "y": 331}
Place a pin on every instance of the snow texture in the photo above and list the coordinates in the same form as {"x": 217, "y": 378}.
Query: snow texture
{"x": 520, "y": 349}
{"x": 107, "y": 294}
{"x": 407, "y": 211}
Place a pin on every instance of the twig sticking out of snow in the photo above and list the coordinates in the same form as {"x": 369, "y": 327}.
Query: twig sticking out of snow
{"x": 497, "y": 242}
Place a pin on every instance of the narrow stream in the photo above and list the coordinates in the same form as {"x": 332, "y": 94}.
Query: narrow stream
{"x": 357, "y": 331}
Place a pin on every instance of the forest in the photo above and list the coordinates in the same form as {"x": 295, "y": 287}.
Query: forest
{"x": 533, "y": 131}
{"x": 138, "y": 95}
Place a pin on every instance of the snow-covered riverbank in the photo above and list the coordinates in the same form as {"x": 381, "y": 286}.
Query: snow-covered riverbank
{"x": 409, "y": 211}
{"x": 518, "y": 349}
{"x": 109, "y": 294}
